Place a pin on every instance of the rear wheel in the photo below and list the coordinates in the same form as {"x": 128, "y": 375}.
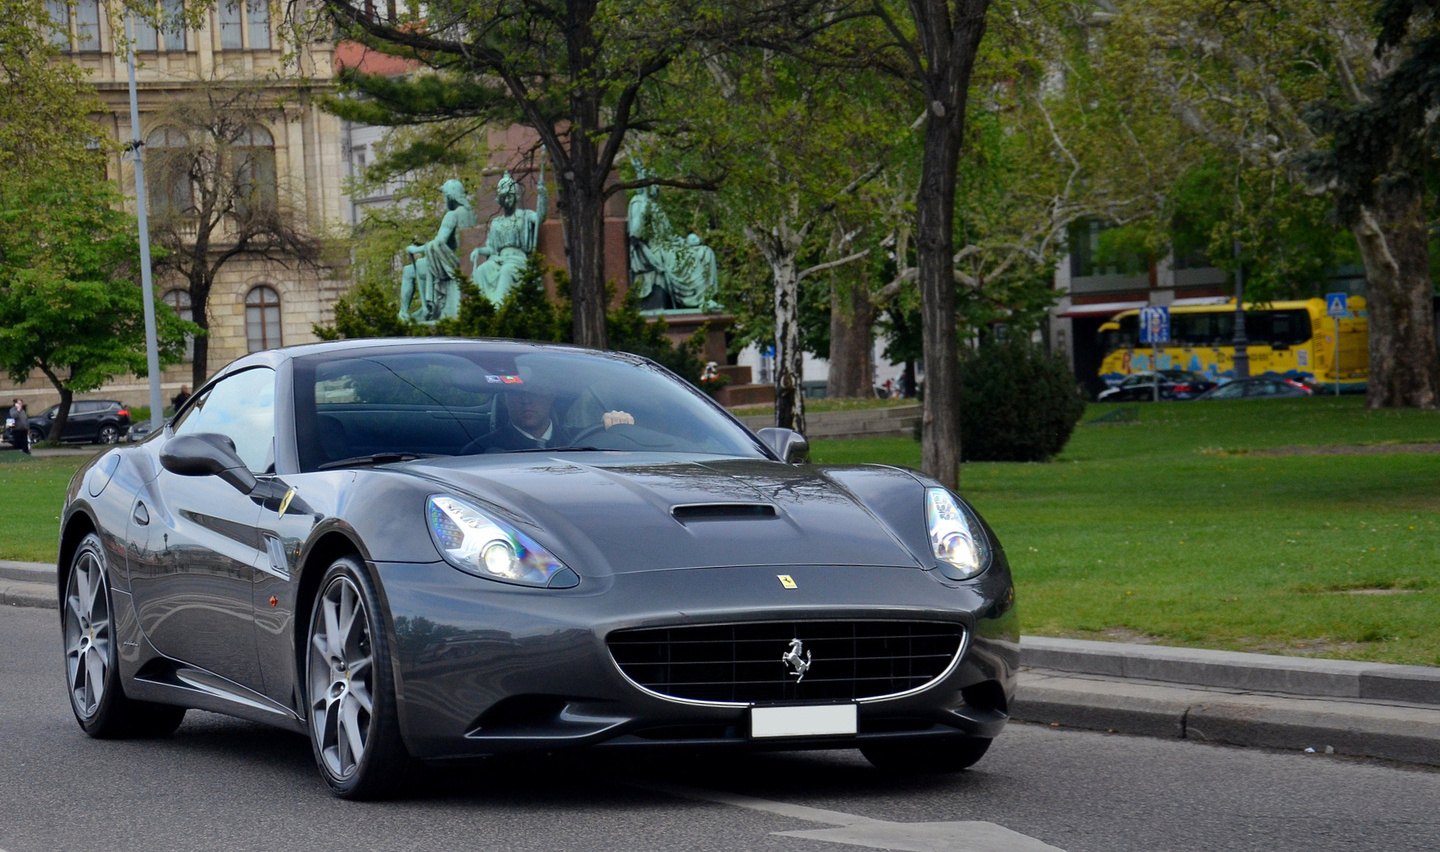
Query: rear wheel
{"x": 92, "y": 672}
{"x": 109, "y": 433}
{"x": 353, "y": 727}
{"x": 951, "y": 755}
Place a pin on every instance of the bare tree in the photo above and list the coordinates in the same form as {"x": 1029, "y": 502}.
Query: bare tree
{"x": 215, "y": 195}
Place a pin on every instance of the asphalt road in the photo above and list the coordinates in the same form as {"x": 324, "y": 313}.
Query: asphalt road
{"x": 222, "y": 784}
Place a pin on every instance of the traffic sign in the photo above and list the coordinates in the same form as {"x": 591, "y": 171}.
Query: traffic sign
{"x": 1337, "y": 304}
{"x": 1154, "y": 325}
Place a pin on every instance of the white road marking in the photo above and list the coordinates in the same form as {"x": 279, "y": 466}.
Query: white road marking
{"x": 969, "y": 836}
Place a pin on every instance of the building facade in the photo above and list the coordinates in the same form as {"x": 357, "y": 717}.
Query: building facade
{"x": 254, "y": 303}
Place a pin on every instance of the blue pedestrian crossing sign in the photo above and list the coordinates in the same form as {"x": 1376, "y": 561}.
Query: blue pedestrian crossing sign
{"x": 1337, "y": 304}
{"x": 1154, "y": 325}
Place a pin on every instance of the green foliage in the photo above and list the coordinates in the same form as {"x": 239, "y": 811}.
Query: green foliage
{"x": 1016, "y": 402}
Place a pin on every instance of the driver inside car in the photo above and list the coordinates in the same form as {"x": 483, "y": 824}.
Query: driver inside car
{"x": 532, "y": 424}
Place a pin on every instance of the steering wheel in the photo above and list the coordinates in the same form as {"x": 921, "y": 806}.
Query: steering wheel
{"x": 592, "y": 429}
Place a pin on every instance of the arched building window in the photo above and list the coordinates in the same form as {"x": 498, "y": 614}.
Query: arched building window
{"x": 262, "y": 318}
{"x": 170, "y": 191}
{"x": 255, "y": 169}
{"x": 179, "y": 300}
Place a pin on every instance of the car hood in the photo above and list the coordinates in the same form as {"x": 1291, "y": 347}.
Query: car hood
{"x": 628, "y": 516}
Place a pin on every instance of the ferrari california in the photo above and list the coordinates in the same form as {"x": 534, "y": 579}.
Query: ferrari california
{"x": 415, "y": 551}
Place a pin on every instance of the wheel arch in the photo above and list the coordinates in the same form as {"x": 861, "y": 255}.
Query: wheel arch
{"x": 77, "y": 526}
{"x": 329, "y": 546}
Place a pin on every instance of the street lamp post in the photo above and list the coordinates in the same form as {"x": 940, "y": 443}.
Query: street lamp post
{"x": 147, "y": 291}
{"x": 1239, "y": 342}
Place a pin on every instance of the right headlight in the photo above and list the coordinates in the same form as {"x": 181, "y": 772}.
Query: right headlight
{"x": 956, "y": 536}
{"x": 478, "y": 544}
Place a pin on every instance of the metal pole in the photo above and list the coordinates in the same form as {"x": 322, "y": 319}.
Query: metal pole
{"x": 1155, "y": 368}
{"x": 147, "y": 287}
{"x": 1337, "y": 356}
{"x": 1239, "y": 342}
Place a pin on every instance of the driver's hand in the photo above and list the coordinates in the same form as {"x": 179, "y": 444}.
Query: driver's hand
{"x": 617, "y": 418}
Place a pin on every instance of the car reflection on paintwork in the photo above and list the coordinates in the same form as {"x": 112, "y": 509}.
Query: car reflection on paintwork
{"x": 352, "y": 541}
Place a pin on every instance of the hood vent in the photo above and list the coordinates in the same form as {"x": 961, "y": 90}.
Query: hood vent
{"x": 722, "y": 512}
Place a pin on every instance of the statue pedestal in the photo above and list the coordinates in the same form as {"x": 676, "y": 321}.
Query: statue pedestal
{"x": 680, "y": 326}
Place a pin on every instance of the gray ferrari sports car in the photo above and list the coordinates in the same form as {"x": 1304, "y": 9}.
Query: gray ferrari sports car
{"x": 428, "y": 550}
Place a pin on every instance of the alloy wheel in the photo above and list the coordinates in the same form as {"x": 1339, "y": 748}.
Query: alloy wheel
{"x": 341, "y": 677}
{"x": 109, "y": 434}
{"x": 88, "y": 634}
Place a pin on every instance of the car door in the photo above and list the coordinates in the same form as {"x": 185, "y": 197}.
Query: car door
{"x": 82, "y": 422}
{"x": 193, "y": 585}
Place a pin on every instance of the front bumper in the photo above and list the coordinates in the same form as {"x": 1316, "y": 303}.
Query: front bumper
{"x": 483, "y": 668}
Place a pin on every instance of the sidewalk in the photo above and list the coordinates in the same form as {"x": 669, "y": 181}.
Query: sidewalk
{"x": 1256, "y": 700}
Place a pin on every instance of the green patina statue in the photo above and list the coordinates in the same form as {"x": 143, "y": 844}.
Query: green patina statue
{"x": 434, "y": 271}
{"x": 669, "y": 272}
{"x": 512, "y": 238}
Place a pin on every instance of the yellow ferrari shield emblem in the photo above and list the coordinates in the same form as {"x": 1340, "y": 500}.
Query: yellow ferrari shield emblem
{"x": 787, "y": 581}
{"x": 285, "y": 504}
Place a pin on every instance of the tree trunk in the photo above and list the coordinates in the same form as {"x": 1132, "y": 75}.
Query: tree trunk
{"x": 584, "y": 210}
{"x": 1404, "y": 366}
{"x": 200, "y": 315}
{"x": 57, "y": 426}
{"x": 789, "y": 396}
{"x": 852, "y": 318}
{"x": 948, "y": 41}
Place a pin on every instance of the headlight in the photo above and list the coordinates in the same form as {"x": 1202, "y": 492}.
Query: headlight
{"x": 961, "y": 549}
{"x": 475, "y": 543}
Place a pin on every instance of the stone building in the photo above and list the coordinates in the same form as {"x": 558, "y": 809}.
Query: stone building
{"x": 254, "y": 304}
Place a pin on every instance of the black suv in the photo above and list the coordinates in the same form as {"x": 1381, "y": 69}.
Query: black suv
{"x": 91, "y": 421}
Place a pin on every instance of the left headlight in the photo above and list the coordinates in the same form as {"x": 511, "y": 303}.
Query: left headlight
{"x": 961, "y": 548}
{"x": 475, "y": 543}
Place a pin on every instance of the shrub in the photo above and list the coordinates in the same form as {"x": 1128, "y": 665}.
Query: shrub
{"x": 1016, "y": 403}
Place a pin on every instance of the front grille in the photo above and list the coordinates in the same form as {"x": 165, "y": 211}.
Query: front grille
{"x": 743, "y": 662}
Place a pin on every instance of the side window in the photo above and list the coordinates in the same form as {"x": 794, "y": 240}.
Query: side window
{"x": 242, "y": 408}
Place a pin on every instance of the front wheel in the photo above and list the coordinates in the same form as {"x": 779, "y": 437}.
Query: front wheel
{"x": 92, "y": 672}
{"x": 951, "y": 755}
{"x": 354, "y": 731}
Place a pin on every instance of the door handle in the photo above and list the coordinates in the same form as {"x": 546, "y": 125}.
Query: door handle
{"x": 141, "y": 515}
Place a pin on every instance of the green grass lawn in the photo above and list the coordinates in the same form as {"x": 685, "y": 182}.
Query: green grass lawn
{"x": 1162, "y": 527}
{"x": 1165, "y": 523}
{"x": 33, "y": 490}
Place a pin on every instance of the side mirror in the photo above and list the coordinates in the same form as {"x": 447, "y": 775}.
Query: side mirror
{"x": 788, "y": 444}
{"x": 207, "y": 454}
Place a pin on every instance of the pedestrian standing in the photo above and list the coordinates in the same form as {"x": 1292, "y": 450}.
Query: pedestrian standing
{"x": 180, "y": 398}
{"x": 20, "y": 435}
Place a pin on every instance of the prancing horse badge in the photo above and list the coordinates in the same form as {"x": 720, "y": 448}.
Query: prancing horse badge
{"x": 787, "y": 581}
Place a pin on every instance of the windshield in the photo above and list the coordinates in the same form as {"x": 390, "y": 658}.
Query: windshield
{"x": 487, "y": 397}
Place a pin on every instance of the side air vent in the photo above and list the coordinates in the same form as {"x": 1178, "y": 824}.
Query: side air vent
{"x": 722, "y": 511}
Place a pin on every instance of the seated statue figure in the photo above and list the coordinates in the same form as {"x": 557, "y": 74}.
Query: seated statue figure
{"x": 439, "y": 283}
{"x": 670, "y": 272}
{"x": 511, "y": 239}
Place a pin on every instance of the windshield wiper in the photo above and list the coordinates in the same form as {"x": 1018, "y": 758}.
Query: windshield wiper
{"x": 375, "y": 458}
{"x": 558, "y": 450}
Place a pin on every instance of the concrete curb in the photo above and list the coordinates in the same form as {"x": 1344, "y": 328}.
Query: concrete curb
{"x": 1268, "y": 673}
{"x": 1405, "y": 733}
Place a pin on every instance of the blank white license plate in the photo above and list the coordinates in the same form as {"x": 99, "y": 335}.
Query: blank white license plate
{"x": 811, "y": 721}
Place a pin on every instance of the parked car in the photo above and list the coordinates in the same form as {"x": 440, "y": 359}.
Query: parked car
{"x": 1259, "y": 387}
{"x": 438, "y": 549}
{"x": 91, "y": 421}
{"x": 1140, "y": 387}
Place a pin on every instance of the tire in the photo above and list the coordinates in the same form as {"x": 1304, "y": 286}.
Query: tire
{"x": 927, "y": 756}
{"x": 350, "y": 688}
{"x": 36, "y": 437}
{"x": 109, "y": 434}
{"x": 92, "y": 671}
